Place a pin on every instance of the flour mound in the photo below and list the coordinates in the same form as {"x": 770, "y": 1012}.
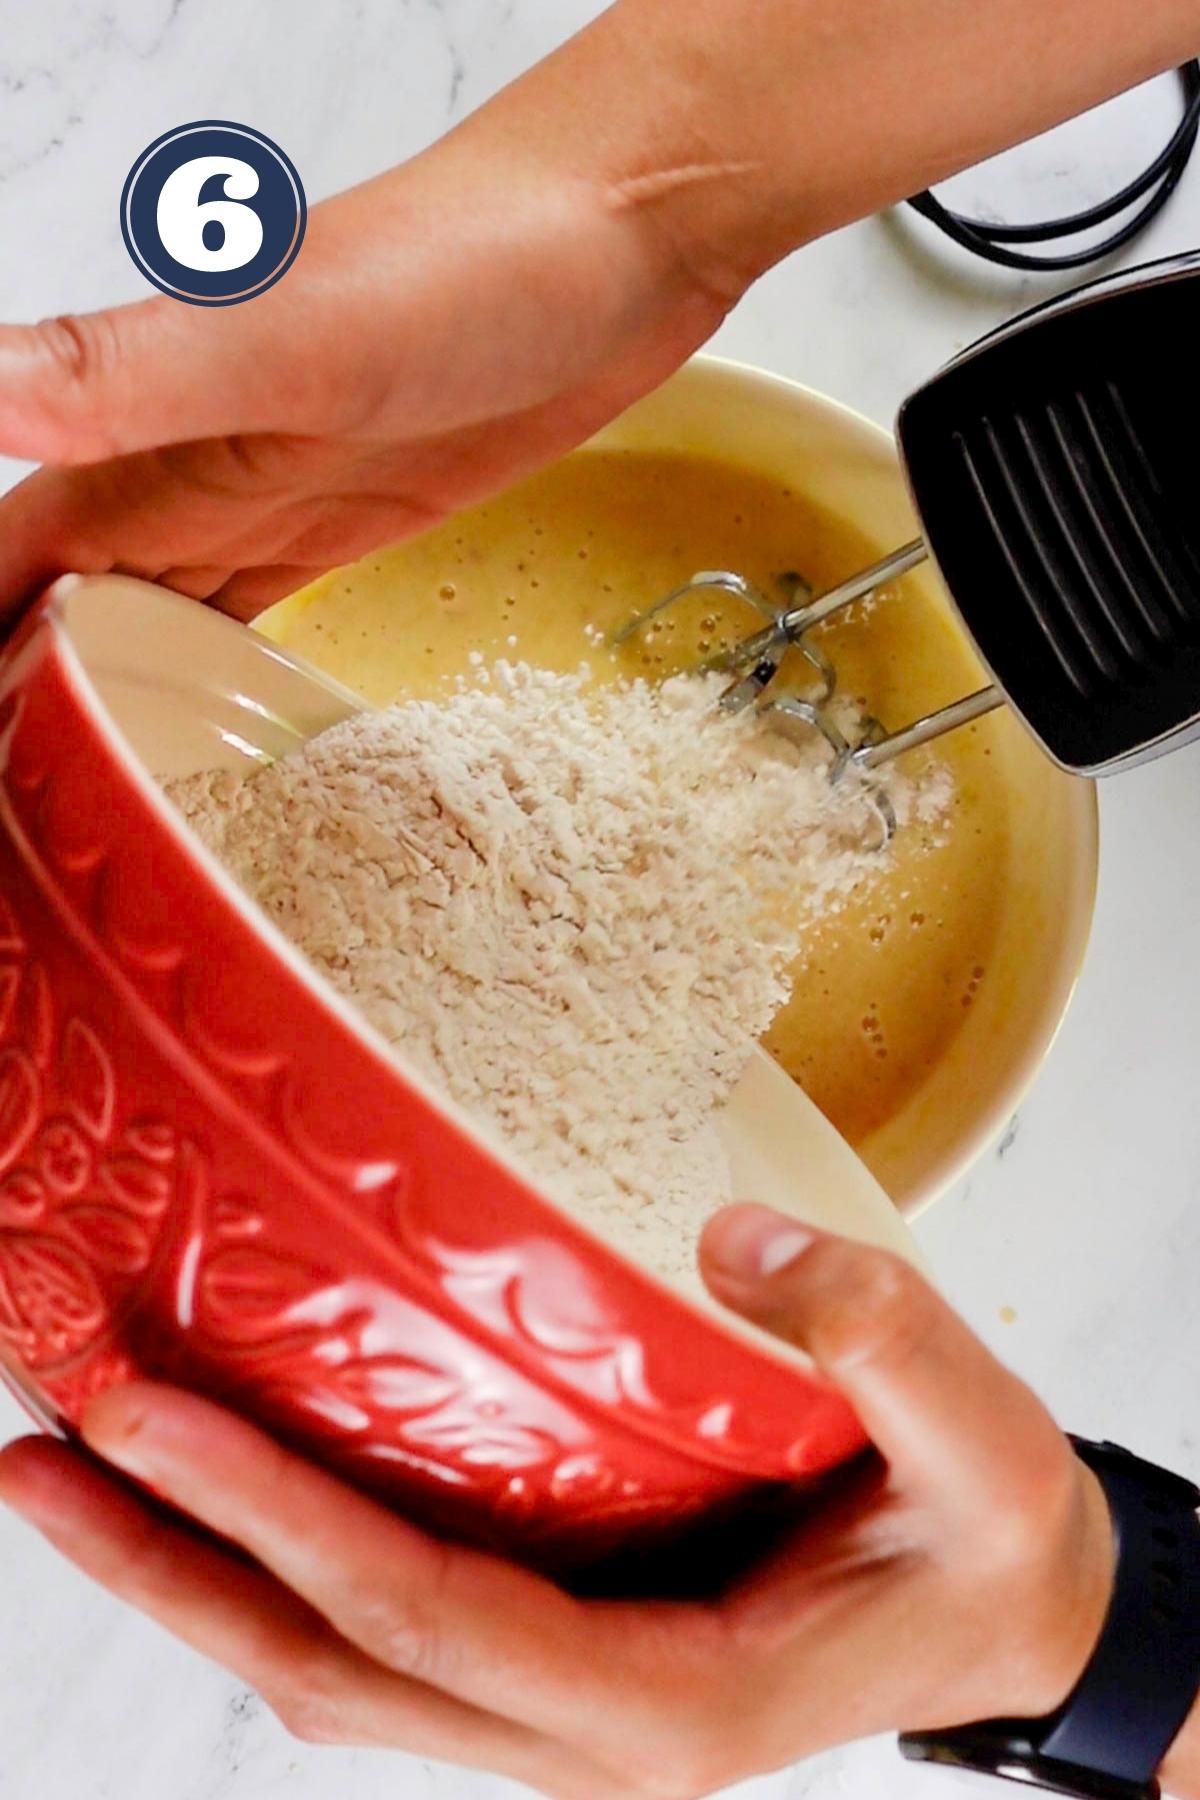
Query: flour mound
{"x": 571, "y": 909}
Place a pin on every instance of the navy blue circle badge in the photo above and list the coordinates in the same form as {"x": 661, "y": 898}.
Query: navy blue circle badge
{"x": 213, "y": 213}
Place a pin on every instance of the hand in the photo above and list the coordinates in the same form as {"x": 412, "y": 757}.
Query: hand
{"x": 962, "y": 1573}
{"x": 447, "y": 328}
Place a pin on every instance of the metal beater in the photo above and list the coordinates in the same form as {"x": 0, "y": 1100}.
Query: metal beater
{"x": 756, "y": 660}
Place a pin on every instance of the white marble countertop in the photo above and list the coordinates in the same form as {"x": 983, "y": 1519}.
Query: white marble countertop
{"x": 1087, "y": 1227}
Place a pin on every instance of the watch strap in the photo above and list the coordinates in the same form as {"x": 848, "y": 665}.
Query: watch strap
{"x": 1143, "y": 1676}
{"x": 1112, "y": 1732}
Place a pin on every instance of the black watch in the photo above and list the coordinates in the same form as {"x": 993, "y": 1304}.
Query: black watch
{"x": 1111, "y": 1733}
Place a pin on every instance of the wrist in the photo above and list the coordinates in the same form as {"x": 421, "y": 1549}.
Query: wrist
{"x": 734, "y": 131}
{"x": 1079, "y": 1590}
{"x": 1111, "y": 1706}
{"x": 1057, "y": 1604}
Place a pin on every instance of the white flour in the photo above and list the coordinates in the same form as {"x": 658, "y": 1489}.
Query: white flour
{"x": 571, "y": 909}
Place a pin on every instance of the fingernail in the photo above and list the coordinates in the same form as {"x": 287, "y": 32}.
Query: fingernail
{"x": 113, "y": 1425}
{"x": 783, "y": 1248}
{"x": 749, "y": 1243}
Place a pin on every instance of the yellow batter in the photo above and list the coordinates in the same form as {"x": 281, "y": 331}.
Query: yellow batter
{"x": 544, "y": 572}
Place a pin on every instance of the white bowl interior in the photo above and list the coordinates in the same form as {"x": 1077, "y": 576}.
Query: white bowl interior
{"x": 188, "y": 688}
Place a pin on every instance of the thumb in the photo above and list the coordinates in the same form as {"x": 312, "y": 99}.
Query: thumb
{"x": 946, "y": 1415}
{"x": 85, "y": 387}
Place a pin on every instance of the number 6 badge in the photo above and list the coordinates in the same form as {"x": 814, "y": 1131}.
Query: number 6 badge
{"x": 213, "y": 213}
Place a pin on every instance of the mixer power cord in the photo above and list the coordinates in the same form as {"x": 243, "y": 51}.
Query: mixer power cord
{"x": 1154, "y": 186}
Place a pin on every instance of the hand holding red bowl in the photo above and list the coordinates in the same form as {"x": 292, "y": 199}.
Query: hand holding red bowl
{"x": 962, "y": 1572}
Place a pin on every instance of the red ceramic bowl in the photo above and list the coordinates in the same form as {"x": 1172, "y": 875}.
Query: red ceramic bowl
{"x": 212, "y": 1173}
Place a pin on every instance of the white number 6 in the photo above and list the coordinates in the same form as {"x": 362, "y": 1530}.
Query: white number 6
{"x": 181, "y": 217}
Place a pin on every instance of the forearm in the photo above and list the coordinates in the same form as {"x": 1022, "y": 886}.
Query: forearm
{"x": 742, "y": 128}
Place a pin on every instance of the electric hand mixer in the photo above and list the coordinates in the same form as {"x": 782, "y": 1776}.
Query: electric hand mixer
{"x": 1058, "y": 493}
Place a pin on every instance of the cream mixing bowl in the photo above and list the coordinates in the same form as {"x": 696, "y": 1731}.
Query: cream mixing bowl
{"x": 925, "y": 1008}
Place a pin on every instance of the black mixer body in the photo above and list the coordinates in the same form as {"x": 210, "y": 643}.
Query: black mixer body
{"x": 1055, "y": 467}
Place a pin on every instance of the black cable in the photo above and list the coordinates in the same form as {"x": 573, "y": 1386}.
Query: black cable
{"x": 1159, "y": 181}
